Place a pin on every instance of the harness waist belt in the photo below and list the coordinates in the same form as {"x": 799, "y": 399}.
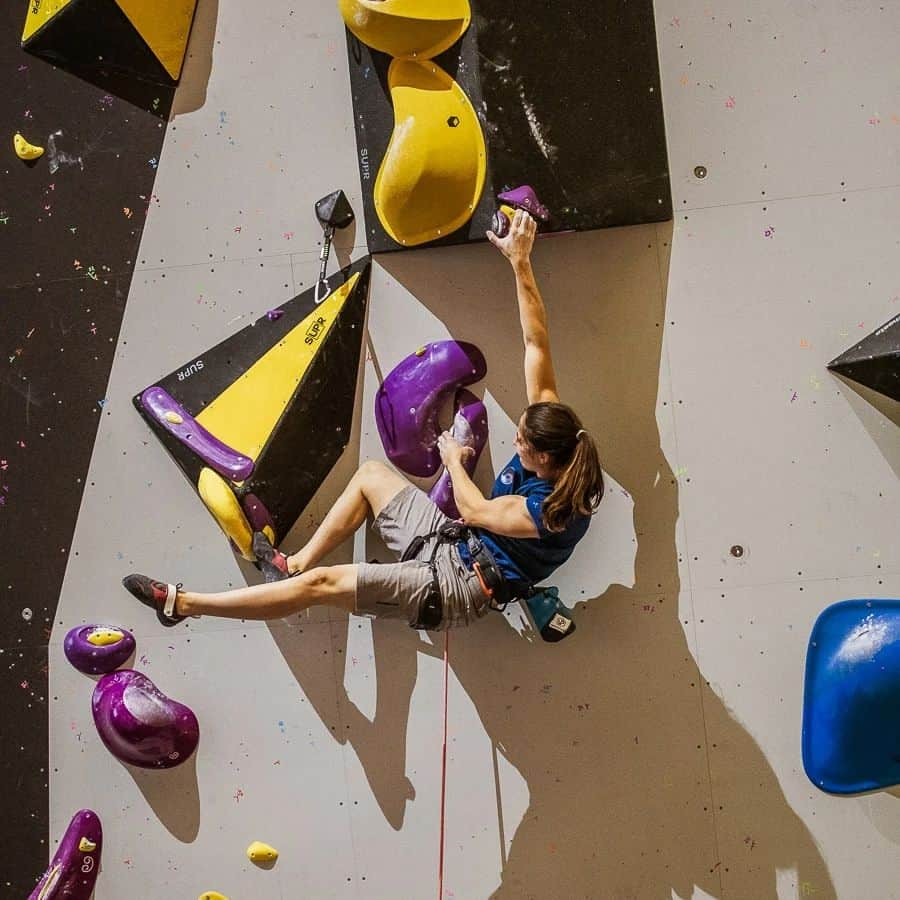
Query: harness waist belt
{"x": 474, "y": 554}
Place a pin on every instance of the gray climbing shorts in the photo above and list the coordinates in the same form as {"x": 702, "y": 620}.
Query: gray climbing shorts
{"x": 398, "y": 589}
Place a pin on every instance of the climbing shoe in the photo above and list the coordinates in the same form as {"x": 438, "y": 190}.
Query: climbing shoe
{"x": 273, "y": 563}
{"x": 158, "y": 595}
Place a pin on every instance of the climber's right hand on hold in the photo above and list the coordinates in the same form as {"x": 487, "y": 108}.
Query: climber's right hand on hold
{"x": 517, "y": 243}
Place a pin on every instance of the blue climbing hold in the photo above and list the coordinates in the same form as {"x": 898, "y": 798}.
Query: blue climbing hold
{"x": 851, "y": 697}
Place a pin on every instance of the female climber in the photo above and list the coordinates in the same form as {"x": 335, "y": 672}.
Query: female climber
{"x": 449, "y": 572}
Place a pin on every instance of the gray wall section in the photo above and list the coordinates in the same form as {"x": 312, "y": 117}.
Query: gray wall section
{"x": 654, "y": 754}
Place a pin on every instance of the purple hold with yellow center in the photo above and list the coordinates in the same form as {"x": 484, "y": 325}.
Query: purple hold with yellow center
{"x": 98, "y": 649}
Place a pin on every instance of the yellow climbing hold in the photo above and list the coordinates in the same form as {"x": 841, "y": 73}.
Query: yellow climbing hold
{"x": 212, "y": 895}
{"x": 103, "y": 637}
{"x": 407, "y": 28}
{"x": 86, "y": 846}
{"x": 260, "y": 852}
{"x": 220, "y": 500}
{"x": 24, "y": 150}
{"x": 433, "y": 171}
{"x": 173, "y": 417}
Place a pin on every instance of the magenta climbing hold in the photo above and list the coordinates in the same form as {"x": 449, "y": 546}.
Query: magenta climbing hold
{"x": 73, "y": 871}
{"x": 408, "y": 403}
{"x": 470, "y": 428}
{"x": 140, "y": 725}
{"x": 97, "y": 649}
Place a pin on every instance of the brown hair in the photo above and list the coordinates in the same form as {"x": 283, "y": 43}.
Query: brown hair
{"x": 554, "y": 429}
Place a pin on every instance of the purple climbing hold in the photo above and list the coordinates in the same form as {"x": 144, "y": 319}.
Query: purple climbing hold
{"x": 522, "y": 197}
{"x": 470, "y": 428}
{"x": 257, "y": 514}
{"x": 409, "y": 401}
{"x": 178, "y": 421}
{"x": 140, "y": 725}
{"x": 273, "y": 315}
{"x": 97, "y": 649}
{"x": 525, "y": 198}
{"x": 73, "y": 870}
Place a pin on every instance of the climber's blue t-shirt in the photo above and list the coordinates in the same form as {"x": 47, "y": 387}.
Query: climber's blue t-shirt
{"x": 531, "y": 559}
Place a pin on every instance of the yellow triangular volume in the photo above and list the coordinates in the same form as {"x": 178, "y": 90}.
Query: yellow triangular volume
{"x": 245, "y": 413}
{"x": 40, "y": 12}
{"x": 164, "y": 25}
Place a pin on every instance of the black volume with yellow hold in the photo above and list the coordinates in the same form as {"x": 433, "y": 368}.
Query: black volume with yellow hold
{"x": 144, "y": 39}
{"x": 257, "y": 422}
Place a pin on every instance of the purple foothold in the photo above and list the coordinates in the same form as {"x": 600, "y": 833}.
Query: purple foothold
{"x": 179, "y": 422}
{"x": 140, "y": 725}
{"x": 273, "y": 315}
{"x": 409, "y": 401}
{"x": 525, "y": 198}
{"x": 470, "y": 428}
{"x": 73, "y": 871}
{"x": 103, "y": 654}
{"x": 257, "y": 514}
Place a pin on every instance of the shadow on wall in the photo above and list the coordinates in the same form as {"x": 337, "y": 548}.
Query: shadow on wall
{"x": 174, "y": 795}
{"x": 615, "y": 731}
{"x": 191, "y": 93}
{"x": 879, "y": 415}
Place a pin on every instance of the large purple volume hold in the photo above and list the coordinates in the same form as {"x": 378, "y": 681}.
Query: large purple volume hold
{"x": 141, "y": 725}
{"x": 97, "y": 658}
{"x": 177, "y": 420}
{"x": 73, "y": 870}
{"x": 409, "y": 401}
{"x": 470, "y": 428}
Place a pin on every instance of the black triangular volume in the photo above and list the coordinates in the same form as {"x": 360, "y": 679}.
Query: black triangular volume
{"x": 94, "y": 36}
{"x": 314, "y": 428}
{"x": 875, "y": 361}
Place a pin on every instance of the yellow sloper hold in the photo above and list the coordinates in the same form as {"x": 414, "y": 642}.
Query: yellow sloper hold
{"x": 24, "y": 150}
{"x": 407, "y": 28}
{"x": 103, "y": 637}
{"x": 40, "y": 12}
{"x": 433, "y": 171}
{"x": 165, "y": 26}
{"x": 220, "y": 500}
{"x": 85, "y": 845}
{"x": 245, "y": 413}
{"x": 212, "y": 895}
{"x": 260, "y": 852}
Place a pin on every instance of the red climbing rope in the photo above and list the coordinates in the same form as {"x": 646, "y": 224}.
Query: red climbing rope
{"x": 444, "y": 764}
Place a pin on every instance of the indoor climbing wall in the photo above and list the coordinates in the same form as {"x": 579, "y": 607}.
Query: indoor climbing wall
{"x": 653, "y": 754}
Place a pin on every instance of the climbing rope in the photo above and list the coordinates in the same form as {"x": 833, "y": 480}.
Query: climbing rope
{"x": 444, "y": 763}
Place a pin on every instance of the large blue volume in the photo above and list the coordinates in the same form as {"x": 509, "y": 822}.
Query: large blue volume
{"x": 851, "y": 697}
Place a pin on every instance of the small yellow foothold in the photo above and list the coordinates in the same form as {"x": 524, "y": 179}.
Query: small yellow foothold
{"x": 86, "y": 846}
{"x": 173, "y": 417}
{"x": 260, "y": 852}
{"x": 421, "y": 350}
{"x": 103, "y": 637}
{"x": 24, "y": 150}
{"x": 213, "y": 895}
